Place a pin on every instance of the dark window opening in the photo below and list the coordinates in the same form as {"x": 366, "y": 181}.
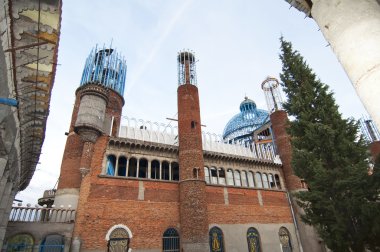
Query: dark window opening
{"x": 170, "y": 240}
{"x": 132, "y": 168}
{"x": 175, "y": 171}
{"x": 143, "y": 168}
{"x": 214, "y": 175}
{"x": 277, "y": 179}
{"x": 155, "y": 170}
{"x": 165, "y": 171}
{"x": 222, "y": 176}
{"x": 122, "y": 167}
{"x": 193, "y": 124}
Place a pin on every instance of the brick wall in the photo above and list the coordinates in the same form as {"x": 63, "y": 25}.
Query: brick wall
{"x": 375, "y": 149}
{"x": 71, "y": 162}
{"x": 279, "y": 120}
{"x": 70, "y": 176}
{"x": 244, "y": 206}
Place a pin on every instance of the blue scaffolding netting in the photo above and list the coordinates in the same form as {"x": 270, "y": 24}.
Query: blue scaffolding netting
{"x": 105, "y": 66}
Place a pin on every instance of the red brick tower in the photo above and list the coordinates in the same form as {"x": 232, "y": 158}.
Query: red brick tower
{"x": 97, "y": 112}
{"x": 307, "y": 237}
{"x": 193, "y": 206}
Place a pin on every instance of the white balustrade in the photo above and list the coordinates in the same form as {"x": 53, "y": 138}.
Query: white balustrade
{"x": 167, "y": 134}
{"x": 41, "y": 214}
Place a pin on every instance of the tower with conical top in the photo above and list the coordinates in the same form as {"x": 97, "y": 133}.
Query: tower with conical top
{"x": 193, "y": 207}
{"x": 279, "y": 119}
{"x": 97, "y": 111}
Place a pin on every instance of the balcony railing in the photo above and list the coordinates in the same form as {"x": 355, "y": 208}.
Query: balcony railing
{"x": 41, "y": 214}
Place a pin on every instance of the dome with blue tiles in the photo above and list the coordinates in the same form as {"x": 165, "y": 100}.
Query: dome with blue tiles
{"x": 240, "y": 127}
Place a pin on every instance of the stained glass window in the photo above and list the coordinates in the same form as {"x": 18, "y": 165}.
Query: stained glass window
{"x": 253, "y": 240}
{"x": 216, "y": 240}
{"x": 284, "y": 236}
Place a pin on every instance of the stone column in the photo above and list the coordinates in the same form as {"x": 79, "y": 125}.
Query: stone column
{"x": 352, "y": 28}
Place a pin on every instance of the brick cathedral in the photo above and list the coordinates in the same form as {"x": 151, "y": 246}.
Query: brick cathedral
{"x": 156, "y": 187}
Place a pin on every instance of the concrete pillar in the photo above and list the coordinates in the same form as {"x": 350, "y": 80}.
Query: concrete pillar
{"x": 5, "y": 217}
{"x": 352, "y": 29}
{"x": 117, "y": 165}
{"x": 149, "y": 168}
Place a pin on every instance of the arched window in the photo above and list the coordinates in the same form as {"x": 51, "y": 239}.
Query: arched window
{"x": 175, "y": 171}
{"x": 244, "y": 178}
{"x": 259, "y": 182}
{"x": 265, "y": 180}
{"x": 132, "y": 168}
{"x": 213, "y": 175}
{"x": 216, "y": 240}
{"x": 118, "y": 238}
{"x": 170, "y": 240}
{"x": 237, "y": 178}
{"x": 230, "y": 177}
{"x": 253, "y": 240}
{"x": 277, "y": 180}
{"x": 111, "y": 163}
{"x": 52, "y": 243}
{"x": 165, "y": 171}
{"x": 207, "y": 175}
{"x": 122, "y": 167}
{"x": 221, "y": 176}
{"x": 284, "y": 236}
{"x": 21, "y": 242}
{"x": 251, "y": 181}
{"x": 272, "y": 184}
{"x": 143, "y": 168}
{"x": 155, "y": 170}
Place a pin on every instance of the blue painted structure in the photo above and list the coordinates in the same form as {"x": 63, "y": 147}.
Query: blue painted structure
{"x": 369, "y": 129}
{"x": 241, "y": 126}
{"x": 8, "y": 101}
{"x": 105, "y": 66}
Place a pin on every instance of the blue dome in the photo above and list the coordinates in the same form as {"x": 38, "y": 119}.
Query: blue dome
{"x": 240, "y": 127}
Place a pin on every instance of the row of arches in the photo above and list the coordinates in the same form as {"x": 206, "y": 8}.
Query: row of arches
{"x": 141, "y": 168}
{"x": 241, "y": 178}
{"x": 119, "y": 238}
{"x": 25, "y": 242}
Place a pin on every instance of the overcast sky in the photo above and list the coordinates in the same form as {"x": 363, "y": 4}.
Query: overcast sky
{"x": 236, "y": 43}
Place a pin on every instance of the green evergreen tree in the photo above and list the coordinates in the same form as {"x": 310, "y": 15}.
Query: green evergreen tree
{"x": 343, "y": 200}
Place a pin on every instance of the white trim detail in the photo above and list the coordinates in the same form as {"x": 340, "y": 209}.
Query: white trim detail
{"x": 118, "y": 226}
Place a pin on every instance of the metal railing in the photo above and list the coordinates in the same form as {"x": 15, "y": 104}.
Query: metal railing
{"x": 43, "y": 214}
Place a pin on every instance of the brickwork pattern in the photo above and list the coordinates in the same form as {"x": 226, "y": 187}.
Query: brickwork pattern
{"x": 71, "y": 162}
{"x": 244, "y": 206}
{"x": 193, "y": 205}
{"x": 106, "y": 202}
{"x": 375, "y": 149}
{"x": 279, "y": 121}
